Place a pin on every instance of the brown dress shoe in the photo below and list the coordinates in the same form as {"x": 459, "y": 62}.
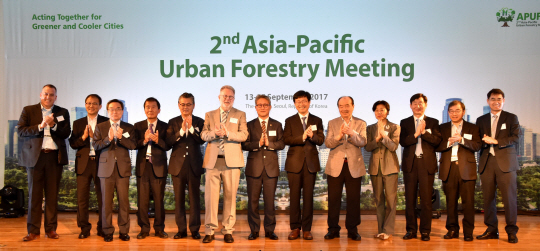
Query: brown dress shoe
{"x": 294, "y": 234}
{"x": 52, "y": 235}
{"x": 307, "y": 235}
{"x": 30, "y": 237}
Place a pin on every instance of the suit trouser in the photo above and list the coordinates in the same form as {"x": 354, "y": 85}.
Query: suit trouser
{"x": 108, "y": 186}
{"x": 45, "y": 176}
{"x": 186, "y": 177}
{"x": 149, "y": 181}
{"x": 231, "y": 179}
{"x": 301, "y": 183}
{"x": 254, "y": 187}
{"x": 84, "y": 181}
{"x": 454, "y": 187}
{"x": 418, "y": 180}
{"x": 335, "y": 190}
{"x": 385, "y": 194}
{"x": 491, "y": 178}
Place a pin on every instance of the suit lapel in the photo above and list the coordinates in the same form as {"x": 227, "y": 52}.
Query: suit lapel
{"x": 502, "y": 119}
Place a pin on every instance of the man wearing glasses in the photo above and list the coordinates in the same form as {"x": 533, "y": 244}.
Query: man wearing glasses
{"x": 114, "y": 138}
{"x": 264, "y": 140}
{"x": 224, "y": 129}
{"x": 185, "y": 165}
{"x": 86, "y": 163}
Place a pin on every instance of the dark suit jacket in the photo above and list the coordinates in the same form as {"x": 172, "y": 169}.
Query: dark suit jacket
{"x": 189, "y": 144}
{"x": 32, "y": 137}
{"x": 112, "y": 152}
{"x": 265, "y": 157}
{"x": 508, "y": 138}
{"x": 300, "y": 150}
{"x": 82, "y": 146}
{"x": 430, "y": 141}
{"x": 159, "y": 150}
{"x": 466, "y": 160}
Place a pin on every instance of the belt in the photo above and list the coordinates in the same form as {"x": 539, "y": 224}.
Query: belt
{"x": 455, "y": 162}
{"x": 48, "y": 150}
{"x": 92, "y": 158}
{"x": 221, "y": 156}
{"x": 419, "y": 156}
{"x": 345, "y": 160}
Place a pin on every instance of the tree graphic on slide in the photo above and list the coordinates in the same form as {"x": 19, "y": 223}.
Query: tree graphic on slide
{"x": 505, "y": 15}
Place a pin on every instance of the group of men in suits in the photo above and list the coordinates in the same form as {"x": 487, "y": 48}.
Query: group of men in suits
{"x": 103, "y": 157}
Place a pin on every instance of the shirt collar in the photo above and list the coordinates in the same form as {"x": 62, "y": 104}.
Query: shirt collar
{"x": 50, "y": 109}
{"x": 301, "y": 116}
{"x": 498, "y": 114}
{"x": 112, "y": 123}
{"x": 155, "y": 123}
{"x": 421, "y": 117}
{"x": 265, "y": 120}
{"x": 458, "y": 126}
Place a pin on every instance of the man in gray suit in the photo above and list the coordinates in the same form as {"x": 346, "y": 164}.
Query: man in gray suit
{"x": 114, "y": 138}
{"x": 346, "y": 136}
{"x": 224, "y": 129}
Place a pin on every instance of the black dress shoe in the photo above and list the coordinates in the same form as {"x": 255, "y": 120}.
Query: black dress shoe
{"x": 451, "y": 235}
{"x": 409, "y": 235}
{"x": 354, "y": 236}
{"x": 100, "y": 233}
{"x": 142, "y": 235}
{"x": 512, "y": 238}
{"x": 124, "y": 237}
{"x": 208, "y": 238}
{"x": 180, "y": 235}
{"x": 195, "y": 235}
{"x": 228, "y": 238}
{"x": 425, "y": 237}
{"x": 271, "y": 235}
{"x": 84, "y": 235}
{"x": 162, "y": 234}
{"x": 331, "y": 235}
{"x": 468, "y": 237}
{"x": 253, "y": 236}
{"x": 107, "y": 237}
{"x": 488, "y": 235}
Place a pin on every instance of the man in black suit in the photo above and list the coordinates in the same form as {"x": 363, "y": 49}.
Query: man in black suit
{"x": 151, "y": 168}
{"x": 86, "y": 164}
{"x": 114, "y": 138}
{"x": 185, "y": 165}
{"x": 420, "y": 136}
{"x": 303, "y": 133}
{"x": 460, "y": 140}
{"x": 498, "y": 164}
{"x": 265, "y": 138}
{"x": 43, "y": 128}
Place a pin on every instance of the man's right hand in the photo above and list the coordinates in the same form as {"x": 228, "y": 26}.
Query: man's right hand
{"x": 111, "y": 134}
{"x": 85, "y": 134}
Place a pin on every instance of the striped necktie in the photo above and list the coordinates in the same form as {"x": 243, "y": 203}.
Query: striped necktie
{"x": 222, "y": 140}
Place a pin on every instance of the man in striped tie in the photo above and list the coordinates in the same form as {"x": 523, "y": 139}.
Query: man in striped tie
{"x": 224, "y": 129}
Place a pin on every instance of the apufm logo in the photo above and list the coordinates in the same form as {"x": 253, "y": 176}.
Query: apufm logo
{"x": 505, "y": 15}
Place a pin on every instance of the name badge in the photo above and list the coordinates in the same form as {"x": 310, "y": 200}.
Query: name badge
{"x": 314, "y": 127}
{"x": 271, "y": 133}
{"x": 60, "y": 118}
{"x": 125, "y": 135}
{"x": 234, "y": 120}
{"x": 467, "y": 136}
{"x": 503, "y": 126}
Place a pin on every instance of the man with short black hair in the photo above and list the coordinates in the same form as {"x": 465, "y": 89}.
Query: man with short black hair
{"x": 43, "y": 129}
{"x": 86, "y": 163}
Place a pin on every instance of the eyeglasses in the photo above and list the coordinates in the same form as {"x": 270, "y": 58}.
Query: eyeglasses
{"x": 188, "y": 105}
{"x": 302, "y": 102}
{"x": 263, "y": 105}
{"x": 115, "y": 110}
{"x": 227, "y": 97}
{"x": 89, "y": 104}
{"x": 455, "y": 111}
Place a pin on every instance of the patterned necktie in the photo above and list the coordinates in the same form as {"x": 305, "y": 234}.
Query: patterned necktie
{"x": 304, "y": 122}
{"x": 418, "y": 151}
{"x": 222, "y": 140}
{"x": 264, "y": 127}
{"x": 150, "y": 143}
{"x": 493, "y": 131}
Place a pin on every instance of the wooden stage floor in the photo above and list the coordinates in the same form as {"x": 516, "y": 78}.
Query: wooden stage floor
{"x": 12, "y": 231}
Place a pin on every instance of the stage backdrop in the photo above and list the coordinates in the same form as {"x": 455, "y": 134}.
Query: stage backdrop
{"x": 371, "y": 50}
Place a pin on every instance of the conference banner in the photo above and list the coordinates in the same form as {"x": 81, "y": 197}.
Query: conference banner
{"x": 369, "y": 50}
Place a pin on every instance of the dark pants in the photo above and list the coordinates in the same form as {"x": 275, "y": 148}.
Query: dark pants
{"x": 45, "y": 176}
{"x": 335, "y": 190}
{"x": 420, "y": 180}
{"x": 454, "y": 187}
{"x": 491, "y": 178}
{"x": 84, "y": 181}
{"x": 254, "y": 187}
{"x": 186, "y": 178}
{"x": 301, "y": 183}
{"x": 149, "y": 181}
{"x": 108, "y": 185}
